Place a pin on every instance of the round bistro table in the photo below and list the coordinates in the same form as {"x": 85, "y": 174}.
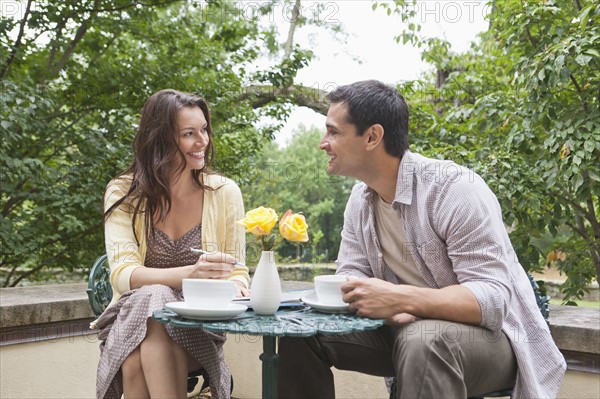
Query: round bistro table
{"x": 287, "y": 322}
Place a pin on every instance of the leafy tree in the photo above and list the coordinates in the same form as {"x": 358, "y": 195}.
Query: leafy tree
{"x": 522, "y": 108}
{"x": 295, "y": 178}
{"x": 74, "y": 76}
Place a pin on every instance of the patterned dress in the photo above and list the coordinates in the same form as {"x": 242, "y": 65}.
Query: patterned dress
{"x": 122, "y": 327}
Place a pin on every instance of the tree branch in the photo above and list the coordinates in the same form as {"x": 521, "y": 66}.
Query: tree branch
{"x": 582, "y": 228}
{"x": 133, "y": 4}
{"x": 27, "y": 273}
{"x": 574, "y": 204}
{"x": 59, "y": 28}
{"x": 302, "y": 96}
{"x": 17, "y": 199}
{"x": 293, "y": 23}
{"x": 574, "y": 81}
{"x": 578, "y": 230}
{"x": 10, "y": 274}
{"x": 13, "y": 200}
{"x": 83, "y": 29}
{"x": 15, "y": 49}
{"x": 592, "y": 218}
{"x": 592, "y": 244}
{"x": 104, "y": 50}
{"x": 71, "y": 47}
{"x": 533, "y": 43}
{"x": 491, "y": 15}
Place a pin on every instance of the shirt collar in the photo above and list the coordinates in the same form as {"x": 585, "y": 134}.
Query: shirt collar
{"x": 406, "y": 172}
{"x": 404, "y": 184}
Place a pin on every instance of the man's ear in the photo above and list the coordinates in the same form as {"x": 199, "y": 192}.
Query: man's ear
{"x": 373, "y": 136}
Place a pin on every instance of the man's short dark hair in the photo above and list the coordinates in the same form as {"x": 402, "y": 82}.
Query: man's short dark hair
{"x": 372, "y": 102}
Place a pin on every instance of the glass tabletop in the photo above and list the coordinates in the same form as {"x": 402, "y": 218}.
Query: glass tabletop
{"x": 292, "y": 322}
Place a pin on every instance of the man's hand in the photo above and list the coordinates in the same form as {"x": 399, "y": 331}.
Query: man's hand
{"x": 398, "y": 303}
{"x": 373, "y": 298}
{"x": 400, "y": 319}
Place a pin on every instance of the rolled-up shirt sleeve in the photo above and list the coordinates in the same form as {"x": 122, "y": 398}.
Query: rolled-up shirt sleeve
{"x": 469, "y": 219}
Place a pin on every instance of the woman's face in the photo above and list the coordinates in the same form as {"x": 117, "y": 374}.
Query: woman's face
{"x": 192, "y": 136}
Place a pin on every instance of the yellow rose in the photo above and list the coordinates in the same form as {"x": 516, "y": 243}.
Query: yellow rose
{"x": 293, "y": 227}
{"x": 259, "y": 221}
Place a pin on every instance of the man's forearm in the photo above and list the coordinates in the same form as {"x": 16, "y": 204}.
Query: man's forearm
{"x": 452, "y": 303}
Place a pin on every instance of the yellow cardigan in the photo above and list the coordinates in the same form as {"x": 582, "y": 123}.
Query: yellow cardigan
{"x": 222, "y": 208}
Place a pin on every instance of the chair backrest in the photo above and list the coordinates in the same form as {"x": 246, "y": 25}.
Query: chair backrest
{"x": 99, "y": 289}
{"x": 541, "y": 300}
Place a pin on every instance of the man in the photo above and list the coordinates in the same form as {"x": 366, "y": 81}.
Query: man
{"x": 426, "y": 241}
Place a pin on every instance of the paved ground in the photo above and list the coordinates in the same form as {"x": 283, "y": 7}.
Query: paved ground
{"x": 205, "y": 395}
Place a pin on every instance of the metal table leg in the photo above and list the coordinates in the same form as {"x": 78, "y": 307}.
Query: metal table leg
{"x": 269, "y": 358}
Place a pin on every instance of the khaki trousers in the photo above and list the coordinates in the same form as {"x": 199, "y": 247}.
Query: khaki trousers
{"x": 429, "y": 358}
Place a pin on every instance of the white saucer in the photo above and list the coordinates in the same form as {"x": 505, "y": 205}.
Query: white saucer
{"x": 312, "y": 301}
{"x": 197, "y": 313}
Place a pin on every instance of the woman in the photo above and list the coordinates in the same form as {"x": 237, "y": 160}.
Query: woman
{"x": 168, "y": 201}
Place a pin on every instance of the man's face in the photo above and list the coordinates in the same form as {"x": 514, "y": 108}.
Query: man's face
{"x": 342, "y": 143}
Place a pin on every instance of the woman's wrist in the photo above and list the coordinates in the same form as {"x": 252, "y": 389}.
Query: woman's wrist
{"x": 184, "y": 272}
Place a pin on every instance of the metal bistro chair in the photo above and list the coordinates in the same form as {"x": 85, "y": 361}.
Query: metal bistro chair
{"x": 542, "y": 302}
{"x": 100, "y": 294}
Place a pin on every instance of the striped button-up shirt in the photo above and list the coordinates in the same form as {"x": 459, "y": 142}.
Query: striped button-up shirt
{"x": 453, "y": 224}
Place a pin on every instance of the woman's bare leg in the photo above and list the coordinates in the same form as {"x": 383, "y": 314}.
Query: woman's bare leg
{"x": 164, "y": 363}
{"x": 134, "y": 383}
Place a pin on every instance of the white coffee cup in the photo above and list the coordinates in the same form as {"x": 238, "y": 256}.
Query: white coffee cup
{"x": 208, "y": 294}
{"x": 328, "y": 289}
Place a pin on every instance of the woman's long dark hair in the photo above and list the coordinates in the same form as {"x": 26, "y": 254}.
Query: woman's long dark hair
{"x": 155, "y": 149}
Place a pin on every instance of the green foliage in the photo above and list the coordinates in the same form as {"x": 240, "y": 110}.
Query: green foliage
{"x": 74, "y": 75}
{"x": 522, "y": 109}
{"x": 295, "y": 178}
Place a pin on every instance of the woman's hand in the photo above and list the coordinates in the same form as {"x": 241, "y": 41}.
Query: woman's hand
{"x": 241, "y": 290}
{"x": 214, "y": 265}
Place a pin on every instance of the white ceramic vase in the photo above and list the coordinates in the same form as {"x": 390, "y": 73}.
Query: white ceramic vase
{"x": 265, "y": 290}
